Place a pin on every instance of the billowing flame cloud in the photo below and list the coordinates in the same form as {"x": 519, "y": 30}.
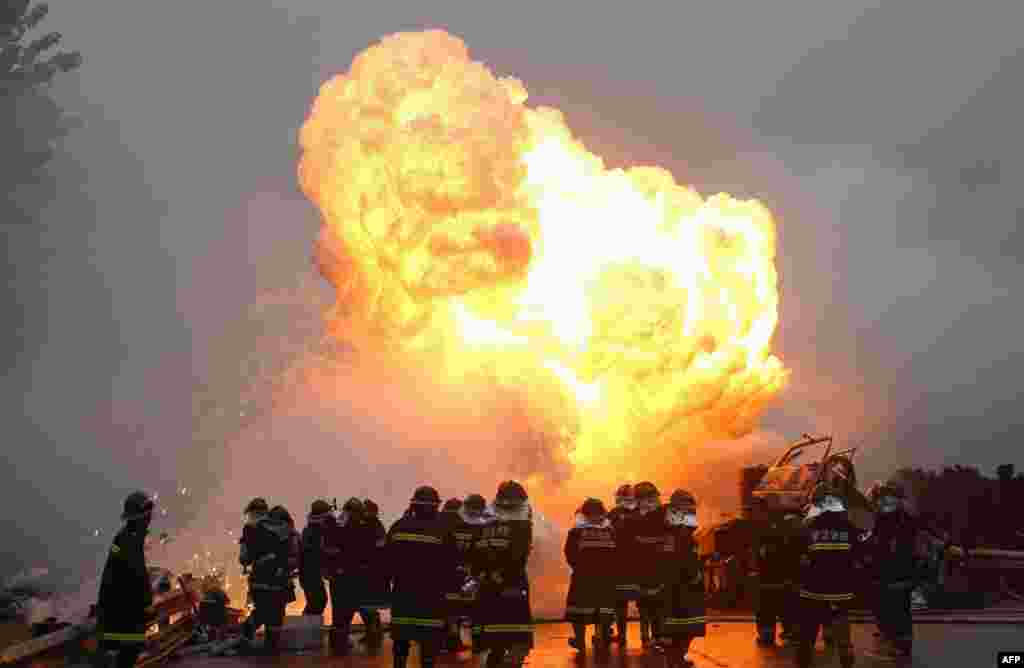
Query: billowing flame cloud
{"x": 617, "y": 317}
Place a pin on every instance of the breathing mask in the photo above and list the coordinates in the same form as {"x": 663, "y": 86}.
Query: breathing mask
{"x": 627, "y": 502}
{"x": 648, "y": 504}
{"x": 681, "y": 517}
{"x": 888, "y": 504}
{"x": 829, "y": 504}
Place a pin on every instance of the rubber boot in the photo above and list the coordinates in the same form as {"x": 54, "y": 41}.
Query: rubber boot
{"x": 273, "y": 642}
{"x": 495, "y": 657}
{"x": 579, "y": 640}
{"x": 477, "y": 643}
{"x": 399, "y": 661}
{"x": 340, "y": 645}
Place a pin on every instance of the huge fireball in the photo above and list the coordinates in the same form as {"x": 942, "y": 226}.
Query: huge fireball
{"x": 467, "y": 230}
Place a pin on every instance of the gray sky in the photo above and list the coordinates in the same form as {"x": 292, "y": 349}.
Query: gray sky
{"x": 858, "y": 124}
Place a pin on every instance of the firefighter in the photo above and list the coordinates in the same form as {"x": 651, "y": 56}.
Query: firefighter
{"x": 126, "y": 595}
{"x": 776, "y": 559}
{"x": 357, "y": 582}
{"x": 893, "y": 561}
{"x": 281, "y": 514}
{"x": 450, "y": 511}
{"x": 625, "y": 584}
{"x": 311, "y": 572}
{"x": 375, "y": 588}
{"x": 420, "y": 551}
{"x": 683, "y": 603}
{"x": 459, "y": 602}
{"x": 826, "y": 567}
{"x": 591, "y": 554}
{"x": 792, "y": 524}
{"x": 504, "y": 548}
{"x": 644, "y": 536}
{"x": 473, "y": 516}
{"x": 348, "y": 580}
{"x": 266, "y": 544}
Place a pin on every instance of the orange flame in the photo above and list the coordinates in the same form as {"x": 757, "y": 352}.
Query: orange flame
{"x": 461, "y": 225}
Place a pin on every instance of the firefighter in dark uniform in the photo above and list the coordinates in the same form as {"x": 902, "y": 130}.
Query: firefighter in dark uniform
{"x": 347, "y": 585}
{"x": 892, "y": 557}
{"x": 473, "y": 516}
{"x": 646, "y": 534}
{"x": 685, "y": 616}
{"x": 590, "y": 553}
{"x": 420, "y": 551}
{"x": 311, "y": 571}
{"x": 281, "y": 514}
{"x": 265, "y": 547}
{"x": 826, "y": 566}
{"x": 503, "y": 550}
{"x": 376, "y": 587}
{"x": 455, "y": 597}
{"x": 126, "y": 594}
{"x": 777, "y": 560}
{"x": 625, "y": 582}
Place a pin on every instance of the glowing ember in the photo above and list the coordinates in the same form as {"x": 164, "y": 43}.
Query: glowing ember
{"x": 465, "y": 228}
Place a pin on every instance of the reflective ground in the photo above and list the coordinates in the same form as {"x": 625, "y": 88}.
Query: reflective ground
{"x": 728, "y": 645}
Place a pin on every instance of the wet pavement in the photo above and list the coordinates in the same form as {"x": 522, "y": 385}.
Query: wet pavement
{"x": 727, "y": 645}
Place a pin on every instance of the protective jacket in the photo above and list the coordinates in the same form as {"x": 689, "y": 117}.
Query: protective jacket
{"x": 359, "y": 549}
{"x": 828, "y": 551}
{"x": 892, "y": 549}
{"x": 420, "y": 552}
{"x": 125, "y": 589}
{"x": 625, "y": 571}
{"x": 590, "y": 551}
{"x": 776, "y": 549}
{"x": 266, "y": 547}
{"x": 644, "y": 536}
{"x": 501, "y": 556}
{"x": 466, "y": 534}
{"x": 314, "y": 537}
{"x": 683, "y": 597}
{"x": 376, "y": 593}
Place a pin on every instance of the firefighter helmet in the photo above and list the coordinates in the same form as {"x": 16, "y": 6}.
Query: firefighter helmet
{"x": 137, "y": 505}
{"x": 257, "y": 505}
{"x": 475, "y": 503}
{"x": 426, "y": 495}
{"x": 624, "y": 491}
{"x": 354, "y": 507}
{"x": 319, "y": 507}
{"x": 682, "y": 499}
{"x": 592, "y": 507}
{"x": 452, "y": 505}
{"x": 646, "y": 490}
{"x": 888, "y": 498}
{"x": 281, "y": 513}
{"x": 510, "y": 495}
{"x": 372, "y": 509}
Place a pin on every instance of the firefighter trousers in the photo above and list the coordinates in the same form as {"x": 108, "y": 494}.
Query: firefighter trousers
{"x": 813, "y": 616}
{"x": 774, "y": 605}
{"x": 268, "y": 610}
{"x": 127, "y": 655}
{"x": 316, "y": 594}
{"x": 894, "y": 613}
{"x": 430, "y": 647}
